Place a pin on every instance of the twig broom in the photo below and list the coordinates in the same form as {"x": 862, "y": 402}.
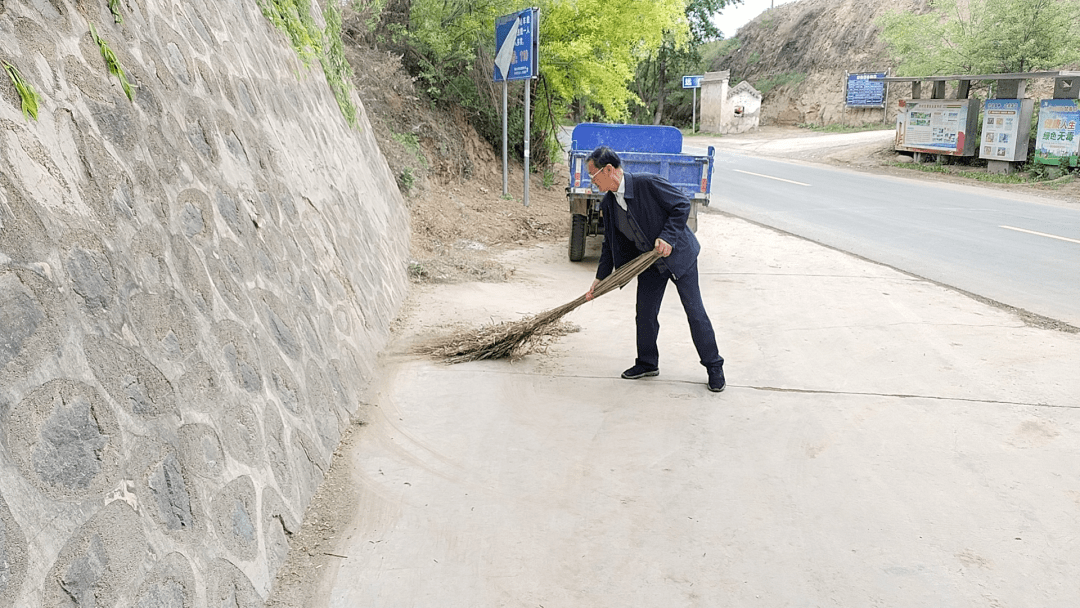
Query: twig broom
{"x": 517, "y": 338}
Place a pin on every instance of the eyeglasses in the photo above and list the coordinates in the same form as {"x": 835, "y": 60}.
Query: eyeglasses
{"x": 592, "y": 176}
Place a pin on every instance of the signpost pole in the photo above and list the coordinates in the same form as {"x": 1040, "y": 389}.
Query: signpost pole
{"x": 843, "y": 111}
{"x": 528, "y": 127}
{"x": 693, "y": 120}
{"x": 517, "y": 42}
{"x": 885, "y": 104}
{"x": 506, "y": 189}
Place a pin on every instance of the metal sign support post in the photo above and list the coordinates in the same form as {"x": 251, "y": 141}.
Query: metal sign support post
{"x": 518, "y": 43}
{"x": 528, "y": 127}
{"x": 693, "y": 120}
{"x": 506, "y": 189}
{"x": 885, "y": 106}
{"x": 843, "y": 110}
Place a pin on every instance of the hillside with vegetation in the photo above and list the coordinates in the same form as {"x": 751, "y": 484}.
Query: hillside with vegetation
{"x": 797, "y": 54}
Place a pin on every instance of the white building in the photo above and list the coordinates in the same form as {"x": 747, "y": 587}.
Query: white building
{"x": 727, "y": 109}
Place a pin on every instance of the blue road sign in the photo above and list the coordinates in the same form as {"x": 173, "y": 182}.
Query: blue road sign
{"x": 691, "y": 82}
{"x": 517, "y": 39}
{"x": 862, "y": 92}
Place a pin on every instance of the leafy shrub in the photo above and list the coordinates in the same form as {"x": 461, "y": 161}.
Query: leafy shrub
{"x": 407, "y": 180}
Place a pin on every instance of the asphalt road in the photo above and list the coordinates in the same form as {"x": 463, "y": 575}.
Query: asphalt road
{"x": 1013, "y": 249}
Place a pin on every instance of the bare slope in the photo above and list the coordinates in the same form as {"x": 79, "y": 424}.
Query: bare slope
{"x": 450, "y": 176}
{"x": 797, "y": 55}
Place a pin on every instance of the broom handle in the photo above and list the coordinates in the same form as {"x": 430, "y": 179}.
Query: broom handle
{"x": 622, "y": 275}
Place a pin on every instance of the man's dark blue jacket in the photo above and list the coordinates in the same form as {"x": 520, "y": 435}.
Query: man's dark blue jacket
{"x": 658, "y": 210}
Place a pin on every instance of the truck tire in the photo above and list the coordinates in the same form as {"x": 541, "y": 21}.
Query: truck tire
{"x": 577, "y": 237}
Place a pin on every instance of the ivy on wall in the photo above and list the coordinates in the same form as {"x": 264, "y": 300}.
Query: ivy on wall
{"x": 26, "y": 92}
{"x": 113, "y": 63}
{"x": 293, "y": 17}
{"x": 114, "y": 8}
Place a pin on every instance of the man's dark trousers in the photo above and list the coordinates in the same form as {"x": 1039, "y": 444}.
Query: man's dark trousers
{"x": 651, "y": 285}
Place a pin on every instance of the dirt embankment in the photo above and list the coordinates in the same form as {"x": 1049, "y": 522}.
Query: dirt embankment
{"x": 798, "y": 55}
{"x": 450, "y": 176}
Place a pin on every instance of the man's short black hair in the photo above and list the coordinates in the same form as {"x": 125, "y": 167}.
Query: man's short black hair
{"x": 604, "y": 156}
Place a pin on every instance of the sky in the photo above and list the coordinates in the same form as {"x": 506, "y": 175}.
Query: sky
{"x": 733, "y": 17}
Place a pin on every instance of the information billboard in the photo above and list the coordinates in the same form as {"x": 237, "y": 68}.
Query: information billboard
{"x": 1006, "y": 129}
{"x": 862, "y": 92}
{"x": 517, "y": 41}
{"x": 1059, "y": 132}
{"x": 937, "y": 126}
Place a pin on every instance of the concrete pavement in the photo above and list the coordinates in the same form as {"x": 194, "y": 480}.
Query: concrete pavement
{"x": 883, "y": 441}
{"x": 793, "y": 143}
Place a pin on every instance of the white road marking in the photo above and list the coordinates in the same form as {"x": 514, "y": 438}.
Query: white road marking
{"x": 779, "y": 179}
{"x": 1049, "y": 236}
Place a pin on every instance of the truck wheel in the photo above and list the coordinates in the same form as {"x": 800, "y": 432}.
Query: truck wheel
{"x": 577, "y": 237}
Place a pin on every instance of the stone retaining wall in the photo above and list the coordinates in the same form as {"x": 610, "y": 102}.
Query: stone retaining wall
{"x": 193, "y": 290}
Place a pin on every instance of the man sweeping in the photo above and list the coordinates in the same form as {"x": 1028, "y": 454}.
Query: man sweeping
{"x": 644, "y": 211}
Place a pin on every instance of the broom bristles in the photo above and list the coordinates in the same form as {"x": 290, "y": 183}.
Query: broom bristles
{"x": 515, "y": 339}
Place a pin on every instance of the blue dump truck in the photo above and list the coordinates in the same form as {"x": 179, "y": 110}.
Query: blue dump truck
{"x": 643, "y": 149}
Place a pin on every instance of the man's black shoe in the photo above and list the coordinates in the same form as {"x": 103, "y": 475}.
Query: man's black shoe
{"x": 717, "y": 382}
{"x": 640, "y": 371}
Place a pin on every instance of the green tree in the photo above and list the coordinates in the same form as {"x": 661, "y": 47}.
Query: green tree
{"x": 984, "y": 37}
{"x": 658, "y": 75}
{"x": 657, "y": 78}
{"x": 590, "y": 50}
{"x": 588, "y": 54}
